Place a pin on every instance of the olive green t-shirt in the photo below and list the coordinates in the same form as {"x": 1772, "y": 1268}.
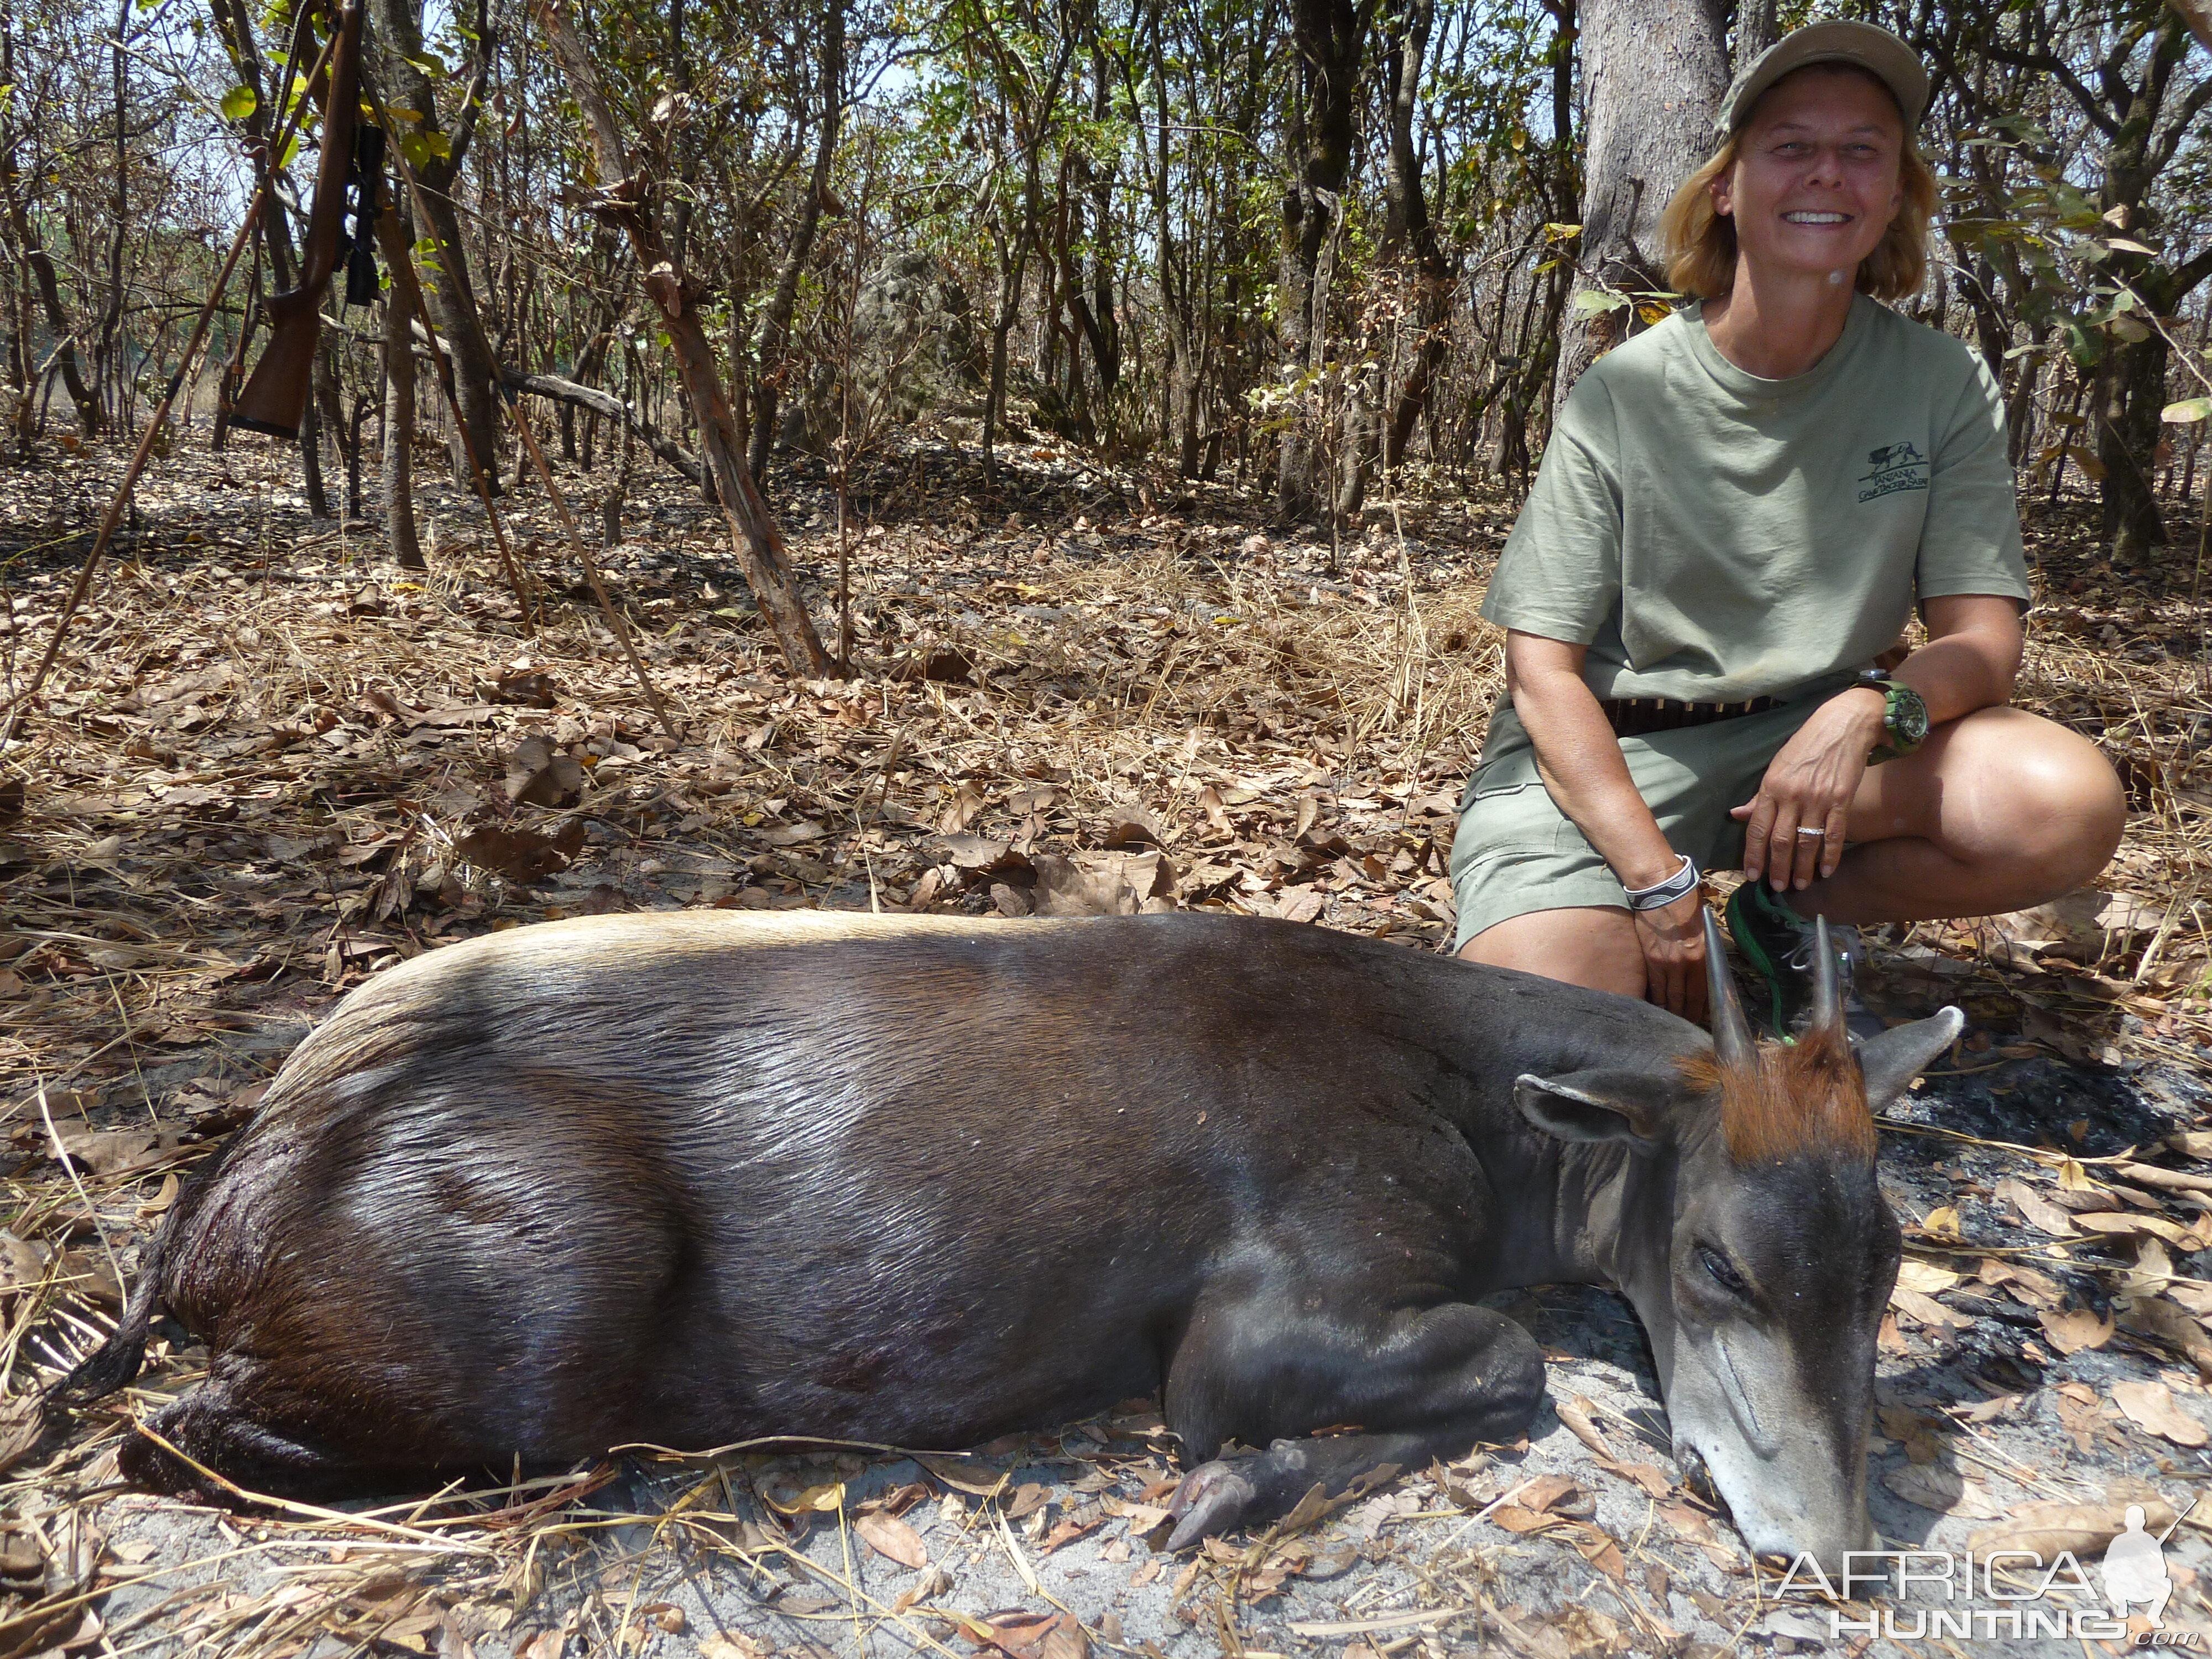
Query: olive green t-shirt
{"x": 1712, "y": 536}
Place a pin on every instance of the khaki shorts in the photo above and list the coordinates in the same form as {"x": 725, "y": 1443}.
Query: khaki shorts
{"x": 1516, "y": 852}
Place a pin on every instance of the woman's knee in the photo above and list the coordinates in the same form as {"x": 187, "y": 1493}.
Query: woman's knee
{"x": 2041, "y": 795}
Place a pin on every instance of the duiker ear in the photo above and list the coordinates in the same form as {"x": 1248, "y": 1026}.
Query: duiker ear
{"x": 1629, "y": 1107}
{"x": 1893, "y": 1059}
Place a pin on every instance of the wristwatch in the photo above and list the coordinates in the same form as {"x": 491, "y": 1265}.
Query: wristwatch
{"x": 1904, "y": 715}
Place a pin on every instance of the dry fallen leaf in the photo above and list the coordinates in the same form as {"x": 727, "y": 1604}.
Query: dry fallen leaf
{"x": 1068, "y": 1529}
{"x": 2046, "y": 1529}
{"x": 2075, "y": 1329}
{"x": 1514, "y": 1518}
{"x": 1550, "y": 1492}
{"x": 1598, "y": 1548}
{"x": 893, "y": 1539}
{"x": 21, "y": 1263}
{"x": 2031, "y": 1289}
{"x": 1925, "y": 1276}
{"x": 2037, "y": 1211}
{"x": 1575, "y": 1413}
{"x": 2150, "y": 1405}
{"x": 538, "y": 775}
{"x": 523, "y": 855}
{"x": 22, "y": 1424}
{"x": 1926, "y": 1308}
{"x": 1691, "y": 1523}
{"x": 109, "y": 1152}
{"x": 1652, "y": 1480}
{"x": 1065, "y": 1640}
{"x": 2129, "y": 1221}
{"x": 1933, "y": 1486}
{"x": 2169, "y": 1322}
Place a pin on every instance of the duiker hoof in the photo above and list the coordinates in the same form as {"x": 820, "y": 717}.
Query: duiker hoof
{"x": 1213, "y": 1498}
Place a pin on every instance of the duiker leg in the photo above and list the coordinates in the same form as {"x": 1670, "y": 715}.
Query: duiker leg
{"x": 215, "y": 1430}
{"x": 1411, "y": 1385}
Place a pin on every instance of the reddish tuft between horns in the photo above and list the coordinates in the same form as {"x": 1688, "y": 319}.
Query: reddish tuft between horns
{"x": 1807, "y": 1099}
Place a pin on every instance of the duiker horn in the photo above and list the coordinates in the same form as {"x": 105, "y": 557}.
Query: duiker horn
{"x": 1731, "y": 1031}
{"x": 1828, "y": 989}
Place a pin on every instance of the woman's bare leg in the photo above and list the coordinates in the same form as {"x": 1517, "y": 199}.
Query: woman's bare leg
{"x": 1996, "y": 812}
{"x": 1592, "y": 946}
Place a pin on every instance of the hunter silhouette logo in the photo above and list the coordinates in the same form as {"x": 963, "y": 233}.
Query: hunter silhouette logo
{"x": 1896, "y": 466}
{"x": 2135, "y": 1570}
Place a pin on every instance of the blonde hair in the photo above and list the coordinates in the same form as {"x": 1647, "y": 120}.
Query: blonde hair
{"x": 1701, "y": 242}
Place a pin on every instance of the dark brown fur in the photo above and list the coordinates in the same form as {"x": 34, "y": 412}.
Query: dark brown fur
{"x": 692, "y": 1178}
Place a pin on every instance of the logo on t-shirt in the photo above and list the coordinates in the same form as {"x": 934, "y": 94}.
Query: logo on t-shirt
{"x": 1896, "y": 466}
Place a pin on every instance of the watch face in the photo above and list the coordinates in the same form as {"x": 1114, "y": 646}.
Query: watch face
{"x": 1908, "y": 715}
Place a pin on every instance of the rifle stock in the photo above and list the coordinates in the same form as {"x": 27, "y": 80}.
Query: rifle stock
{"x": 275, "y": 398}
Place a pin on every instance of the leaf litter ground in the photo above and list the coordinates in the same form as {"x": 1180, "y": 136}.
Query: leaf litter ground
{"x": 271, "y": 765}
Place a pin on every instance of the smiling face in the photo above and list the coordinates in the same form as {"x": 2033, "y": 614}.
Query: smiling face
{"x": 1816, "y": 181}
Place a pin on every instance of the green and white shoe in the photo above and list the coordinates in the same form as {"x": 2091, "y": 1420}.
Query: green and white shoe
{"x": 1780, "y": 946}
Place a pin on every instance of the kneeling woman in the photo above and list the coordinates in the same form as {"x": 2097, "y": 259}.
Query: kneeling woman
{"x": 1736, "y": 514}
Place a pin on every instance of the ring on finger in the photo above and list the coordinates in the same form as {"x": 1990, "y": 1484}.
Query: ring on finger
{"x": 1806, "y": 832}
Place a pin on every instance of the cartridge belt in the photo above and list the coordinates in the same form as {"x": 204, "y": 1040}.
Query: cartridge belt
{"x": 1636, "y": 717}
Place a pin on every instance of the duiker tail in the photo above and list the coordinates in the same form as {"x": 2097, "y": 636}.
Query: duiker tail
{"x": 115, "y": 1362}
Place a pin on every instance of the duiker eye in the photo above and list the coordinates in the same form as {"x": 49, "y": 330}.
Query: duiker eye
{"x": 1723, "y": 1270}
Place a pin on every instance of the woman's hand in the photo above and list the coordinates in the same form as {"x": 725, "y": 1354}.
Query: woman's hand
{"x": 1808, "y": 785}
{"x": 1673, "y": 939}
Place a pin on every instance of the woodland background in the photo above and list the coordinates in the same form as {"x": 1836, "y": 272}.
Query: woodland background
{"x": 1300, "y": 245}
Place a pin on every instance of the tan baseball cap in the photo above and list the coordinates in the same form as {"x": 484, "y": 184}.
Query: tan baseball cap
{"x": 1863, "y": 46}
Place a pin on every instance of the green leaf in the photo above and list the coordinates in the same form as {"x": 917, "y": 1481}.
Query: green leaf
{"x": 421, "y": 148}
{"x": 239, "y": 103}
{"x": 1592, "y": 301}
{"x": 2187, "y": 412}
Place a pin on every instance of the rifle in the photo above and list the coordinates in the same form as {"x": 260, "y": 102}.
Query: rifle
{"x": 274, "y": 399}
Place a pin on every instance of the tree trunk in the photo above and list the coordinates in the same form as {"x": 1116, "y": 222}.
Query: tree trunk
{"x": 775, "y": 322}
{"x": 2130, "y": 390}
{"x": 109, "y": 355}
{"x": 621, "y": 203}
{"x": 1426, "y": 275}
{"x": 331, "y": 401}
{"x": 1014, "y": 262}
{"x": 1653, "y": 72}
{"x": 1330, "y": 37}
{"x": 395, "y": 235}
{"x": 310, "y": 463}
{"x": 1755, "y": 31}
{"x": 41, "y": 266}
{"x": 448, "y": 288}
